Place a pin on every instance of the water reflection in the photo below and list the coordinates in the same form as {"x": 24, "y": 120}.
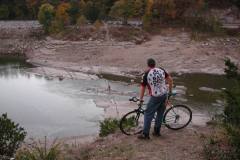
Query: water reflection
{"x": 30, "y": 101}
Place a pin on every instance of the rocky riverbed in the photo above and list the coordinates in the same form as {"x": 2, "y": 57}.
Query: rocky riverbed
{"x": 173, "y": 50}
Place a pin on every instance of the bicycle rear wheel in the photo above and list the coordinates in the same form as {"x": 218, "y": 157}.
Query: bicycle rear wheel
{"x": 132, "y": 123}
{"x": 177, "y": 117}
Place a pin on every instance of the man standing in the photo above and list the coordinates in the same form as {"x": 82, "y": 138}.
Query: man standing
{"x": 155, "y": 80}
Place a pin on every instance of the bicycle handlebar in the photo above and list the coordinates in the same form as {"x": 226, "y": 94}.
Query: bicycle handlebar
{"x": 135, "y": 99}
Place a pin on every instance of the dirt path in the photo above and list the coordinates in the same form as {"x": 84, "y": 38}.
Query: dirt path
{"x": 186, "y": 144}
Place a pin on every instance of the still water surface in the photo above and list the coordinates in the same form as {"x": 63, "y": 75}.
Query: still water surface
{"x": 66, "y": 108}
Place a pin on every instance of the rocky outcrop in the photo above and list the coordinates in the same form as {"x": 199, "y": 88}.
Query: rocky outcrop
{"x": 17, "y": 37}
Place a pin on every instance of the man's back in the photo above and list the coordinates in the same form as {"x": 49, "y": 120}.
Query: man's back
{"x": 156, "y": 83}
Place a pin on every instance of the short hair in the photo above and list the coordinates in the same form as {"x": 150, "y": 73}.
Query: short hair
{"x": 151, "y": 62}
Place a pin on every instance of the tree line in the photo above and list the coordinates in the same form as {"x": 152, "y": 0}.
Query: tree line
{"x": 59, "y": 13}
{"x": 101, "y": 9}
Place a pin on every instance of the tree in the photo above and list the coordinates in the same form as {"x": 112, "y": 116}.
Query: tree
{"x": 123, "y": 9}
{"x": 91, "y": 12}
{"x": 236, "y": 2}
{"x": 4, "y": 12}
{"x": 139, "y": 8}
{"x": 81, "y": 21}
{"x": 11, "y": 136}
{"x": 33, "y": 6}
{"x": 62, "y": 13}
{"x": 46, "y": 15}
{"x": 164, "y": 9}
{"x": 82, "y": 6}
{"x": 147, "y": 18}
{"x": 74, "y": 11}
{"x": 232, "y": 109}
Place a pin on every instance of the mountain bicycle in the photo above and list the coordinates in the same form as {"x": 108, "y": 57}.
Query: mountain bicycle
{"x": 175, "y": 117}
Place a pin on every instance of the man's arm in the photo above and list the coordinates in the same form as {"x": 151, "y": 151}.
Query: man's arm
{"x": 170, "y": 83}
{"x": 142, "y": 91}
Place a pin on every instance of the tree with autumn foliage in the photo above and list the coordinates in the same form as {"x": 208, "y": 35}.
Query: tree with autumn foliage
{"x": 123, "y": 9}
{"x": 62, "y": 13}
{"x": 164, "y": 9}
{"x": 139, "y": 8}
{"x": 147, "y": 17}
{"x": 33, "y": 6}
{"x": 46, "y": 15}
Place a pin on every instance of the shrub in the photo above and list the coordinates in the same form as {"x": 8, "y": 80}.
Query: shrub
{"x": 81, "y": 21}
{"x": 232, "y": 108}
{"x": 11, "y": 136}
{"x": 57, "y": 26}
{"x": 205, "y": 25}
{"x": 108, "y": 126}
{"x": 227, "y": 145}
{"x": 91, "y": 12}
{"x": 4, "y": 12}
{"x": 147, "y": 19}
{"x": 123, "y": 9}
{"x": 74, "y": 11}
{"x": 40, "y": 151}
{"x": 46, "y": 15}
{"x": 98, "y": 24}
{"x": 62, "y": 13}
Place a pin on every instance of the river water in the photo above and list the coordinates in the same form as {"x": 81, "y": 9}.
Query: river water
{"x": 66, "y": 108}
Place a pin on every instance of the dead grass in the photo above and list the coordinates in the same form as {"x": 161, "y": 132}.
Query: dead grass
{"x": 178, "y": 145}
{"x": 127, "y": 33}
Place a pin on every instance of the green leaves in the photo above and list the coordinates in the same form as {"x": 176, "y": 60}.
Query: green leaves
{"x": 46, "y": 15}
{"x": 11, "y": 136}
{"x": 108, "y": 126}
{"x": 38, "y": 150}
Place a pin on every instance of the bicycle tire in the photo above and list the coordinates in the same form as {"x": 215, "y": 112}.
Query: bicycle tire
{"x": 129, "y": 123}
{"x": 168, "y": 112}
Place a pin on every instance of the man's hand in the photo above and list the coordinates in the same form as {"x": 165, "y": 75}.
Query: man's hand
{"x": 140, "y": 102}
{"x": 170, "y": 83}
{"x": 142, "y": 91}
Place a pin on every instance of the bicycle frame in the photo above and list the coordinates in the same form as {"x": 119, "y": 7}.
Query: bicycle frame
{"x": 141, "y": 110}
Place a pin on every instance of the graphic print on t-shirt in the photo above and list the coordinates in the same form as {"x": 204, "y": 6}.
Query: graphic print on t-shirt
{"x": 156, "y": 81}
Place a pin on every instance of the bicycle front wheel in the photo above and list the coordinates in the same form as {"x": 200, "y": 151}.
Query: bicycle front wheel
{"x": 177, "y": 117}
{"x": 132, "y": 123}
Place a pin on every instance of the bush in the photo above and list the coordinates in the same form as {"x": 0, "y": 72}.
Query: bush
{"x": 98, "y": 24}
{"x": 227, "y": 145}
{"x": 147, "y": 20}
{"x": 108, "y": 126}
{"x": 232, "y": 108}
{"x": 91, "y": 12}
{"x": 40, "y": 151}
{"x": 11, "y": 136}
{"x": 62, "y": 13}
{"x": 205, "y": 25}
{"x": 46, "y": 15}
{"x": 74, "y": 11}
{"x": 231, "y": 115}
{"x": 57, "y": 26}
{"x": 81, "y": 21}
{"x": 123, "y": 9}
{"x": 4, "y": 12}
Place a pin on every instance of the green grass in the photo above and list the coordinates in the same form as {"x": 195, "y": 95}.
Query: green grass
{"x": 108, "y": 126}
{"x": 40, "y": 151}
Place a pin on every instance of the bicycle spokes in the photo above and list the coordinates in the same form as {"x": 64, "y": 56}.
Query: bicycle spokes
{"x": 132, "y": 123}
{"x": 177, "y": 117}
